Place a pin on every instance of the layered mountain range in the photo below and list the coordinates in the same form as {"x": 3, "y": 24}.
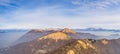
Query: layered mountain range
{"x": 36, "y": 33}
{"x": 65, "y": 41}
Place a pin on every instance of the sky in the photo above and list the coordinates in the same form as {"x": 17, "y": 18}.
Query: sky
{"x": 22, "y": 14}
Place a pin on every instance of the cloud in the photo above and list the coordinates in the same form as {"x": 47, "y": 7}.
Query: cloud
{"x": 8, "y": 3}
{"x": 39, "y": 17}
{"x": 98, "y": 4}
{"x": 54, "y": 16}
{"x": 58, "y": 16}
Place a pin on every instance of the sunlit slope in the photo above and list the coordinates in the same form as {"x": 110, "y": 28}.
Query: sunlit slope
{"x": 77, "y": 47}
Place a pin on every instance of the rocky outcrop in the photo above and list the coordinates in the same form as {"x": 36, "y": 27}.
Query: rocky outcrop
{"x": 77, "y": 47}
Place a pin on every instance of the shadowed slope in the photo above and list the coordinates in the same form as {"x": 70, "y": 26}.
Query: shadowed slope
{"x": 108, "y": 46}
{"x": 40, "y": 45}
{"x": 33, "y": 34}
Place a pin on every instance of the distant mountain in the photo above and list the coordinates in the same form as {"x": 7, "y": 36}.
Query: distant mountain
{"x": 12, "y": 30}
{"x": 115, "y": 35}
{"x": 80, "y": 35}
{"x": 98, "y": 29}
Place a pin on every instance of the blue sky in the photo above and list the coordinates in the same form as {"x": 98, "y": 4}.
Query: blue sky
{"x": 59, "y": 14}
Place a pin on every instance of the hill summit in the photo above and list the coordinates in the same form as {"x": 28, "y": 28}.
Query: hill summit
{"x": 56, "y": 36}
{"x": 67, "y": 30}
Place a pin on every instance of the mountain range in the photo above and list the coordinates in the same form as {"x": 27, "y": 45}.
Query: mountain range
{"x": 98, "y": 29}
{"x": 64, "y": 41}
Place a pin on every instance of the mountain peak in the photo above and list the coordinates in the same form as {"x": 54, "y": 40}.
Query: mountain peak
{"x": 56, "y": 36}
{"x": 84, "y": 44}
{"x": 67, "y": 30}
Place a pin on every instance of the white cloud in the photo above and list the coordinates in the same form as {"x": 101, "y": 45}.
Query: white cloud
{"x": 54, "y": 17}
{"x": 99, "y": 4}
